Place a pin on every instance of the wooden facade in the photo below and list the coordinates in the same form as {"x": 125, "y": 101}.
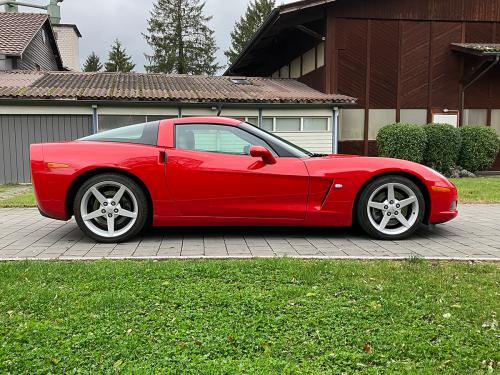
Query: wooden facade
{"x": 394, "y": 56}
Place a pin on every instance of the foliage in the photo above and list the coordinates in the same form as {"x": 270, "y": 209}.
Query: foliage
{"x": 245, "y": 28}
{"x": 261, "y": 316}
{"x": 118, "y": 60}
{"x": 442, "y": 147}
{"x": 93, "y": 63}
{"x": 402, "y": 141}
{"x": 180, "y": 38}
{"x": 480, "y": 145}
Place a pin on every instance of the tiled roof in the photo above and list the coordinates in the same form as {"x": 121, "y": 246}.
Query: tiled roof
{"x": 17, "y": 30}
{"x": 158, "y": 87}
{"x": 481, "y": 49}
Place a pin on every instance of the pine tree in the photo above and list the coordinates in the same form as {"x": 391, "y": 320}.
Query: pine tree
{"x": 246, "y": 27}
{"x": 118, "y": 60}
{"x": 180, "y": 39}
{"x": 93, "y": 63}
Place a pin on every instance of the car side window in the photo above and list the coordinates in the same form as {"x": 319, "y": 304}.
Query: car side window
{"x": 216, "y": 138}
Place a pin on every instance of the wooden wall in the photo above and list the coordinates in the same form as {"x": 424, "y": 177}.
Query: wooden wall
{"x": 396, "y": 54}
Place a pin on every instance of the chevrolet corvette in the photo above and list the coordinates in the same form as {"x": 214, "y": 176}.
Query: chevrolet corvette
{"x": 224, "y": 172}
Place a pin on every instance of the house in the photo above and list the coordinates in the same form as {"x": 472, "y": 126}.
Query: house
{"x": 68, "y": 40}
{"x": 53, "y": 106}
{"x": 27, "y": 42}
{"x": 404, "y": 60}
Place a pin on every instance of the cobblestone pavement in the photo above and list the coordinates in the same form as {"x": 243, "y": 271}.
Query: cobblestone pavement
{"x": 474, "y": 235}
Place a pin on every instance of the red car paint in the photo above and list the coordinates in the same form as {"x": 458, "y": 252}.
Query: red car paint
{"x": 205, "y": 188}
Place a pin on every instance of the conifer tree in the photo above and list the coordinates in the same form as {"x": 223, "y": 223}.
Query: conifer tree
{"x": 246, "y": 27}
{"x": 118, "y": 60}
{"x": 180, "y": 38}
{"x": 93, "y": 63}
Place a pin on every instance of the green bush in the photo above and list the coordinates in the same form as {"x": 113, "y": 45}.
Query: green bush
{"x": 443, "y": 147}
{"x": 480, "y": 145}
{"x": 402, "y": 141}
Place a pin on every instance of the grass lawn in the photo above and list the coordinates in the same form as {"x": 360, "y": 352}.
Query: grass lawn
{"x": 22, "y": 200}
{"x": 261, "y": 316}
{"x": 6, "y": 187}
{"x": 478, "y": 190}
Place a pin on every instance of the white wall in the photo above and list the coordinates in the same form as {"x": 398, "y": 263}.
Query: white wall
{"x": 69, "y": 46}
{"x": 319, "y": 142}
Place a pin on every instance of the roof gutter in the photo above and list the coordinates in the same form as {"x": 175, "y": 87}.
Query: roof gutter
{"x": 271, "y": 20}
{"x": 116, "y": 103}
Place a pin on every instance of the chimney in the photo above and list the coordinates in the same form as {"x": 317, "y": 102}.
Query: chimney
{"x": 53, "y": 9}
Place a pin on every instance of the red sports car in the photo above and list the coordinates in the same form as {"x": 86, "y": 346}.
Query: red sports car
{"x": 220, "y": 171}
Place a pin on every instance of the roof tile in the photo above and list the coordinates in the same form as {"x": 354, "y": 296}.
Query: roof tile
{"x": 158, "y": 87}
{"x": 17, "y": 30}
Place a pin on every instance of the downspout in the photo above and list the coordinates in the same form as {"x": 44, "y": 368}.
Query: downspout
{"x": 95, "y": 119}
{"x": 260, "y": 120}
{"x": 462, "y": 94}
{"x": 335, "y": 130}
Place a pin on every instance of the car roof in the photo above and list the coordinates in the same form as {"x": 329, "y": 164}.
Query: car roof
{"x": 208, "y": 120}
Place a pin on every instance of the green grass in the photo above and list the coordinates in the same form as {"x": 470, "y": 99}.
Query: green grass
{"x": 478, "y": 190}
{"x": 262, "y": 316}
{"x": 22, "y": 200}
{"x": 6, "y": 187}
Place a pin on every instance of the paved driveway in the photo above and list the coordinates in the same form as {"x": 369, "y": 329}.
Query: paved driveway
{"x": 475, "y": 235}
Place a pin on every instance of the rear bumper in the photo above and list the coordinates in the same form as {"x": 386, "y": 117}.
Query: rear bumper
{"x": 50, "y": 188}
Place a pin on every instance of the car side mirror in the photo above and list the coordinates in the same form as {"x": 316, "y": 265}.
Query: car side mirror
{"x": 264, "y": 153}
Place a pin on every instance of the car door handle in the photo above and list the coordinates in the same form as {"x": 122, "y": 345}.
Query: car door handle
{"x": 163, "y": 157}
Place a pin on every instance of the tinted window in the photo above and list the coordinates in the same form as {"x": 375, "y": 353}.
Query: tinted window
{"x": 216, "y": 138}
{"x": 146, "y": 134}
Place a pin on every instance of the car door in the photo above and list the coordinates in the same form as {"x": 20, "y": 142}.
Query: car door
{"x": 211, "y": 174}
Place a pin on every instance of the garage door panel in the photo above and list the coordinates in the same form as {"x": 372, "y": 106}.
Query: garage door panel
{"x": 17, "y": 132}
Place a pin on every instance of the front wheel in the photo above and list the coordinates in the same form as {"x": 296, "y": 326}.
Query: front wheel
{"x": 391, "y": 208}
{"x": 110, "y": 208}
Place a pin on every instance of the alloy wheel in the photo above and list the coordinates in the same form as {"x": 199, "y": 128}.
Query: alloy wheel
{"x": 393, "y": 208}
{"x": 109, "y": 209}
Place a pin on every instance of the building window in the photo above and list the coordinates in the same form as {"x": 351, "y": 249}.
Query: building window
{"x": 287, "y": 124}
{"x": 150, "y": 118}
{"x": 108, "y": 122}
{"x": 44, "y": 36}
{"x": 315, "y": 124}
{"x": 292, "y": 124}
{"x": 267, "y": 122}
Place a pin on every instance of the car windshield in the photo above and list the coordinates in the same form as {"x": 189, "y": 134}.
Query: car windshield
{"x": 146, "y": 134}
{"x": 289, "y": 146}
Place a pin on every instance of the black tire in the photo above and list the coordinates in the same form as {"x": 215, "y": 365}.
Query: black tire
{"x": 135, "y": 189}
{"x": 362, "y": 214}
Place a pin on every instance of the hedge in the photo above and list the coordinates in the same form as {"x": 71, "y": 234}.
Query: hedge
{"x": 402, "y": 141}
{"x": 480, "y": 146}
{"x": 443, "y": 147}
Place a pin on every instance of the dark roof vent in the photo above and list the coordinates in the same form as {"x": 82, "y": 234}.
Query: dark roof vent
{"x": 240, "y": 81}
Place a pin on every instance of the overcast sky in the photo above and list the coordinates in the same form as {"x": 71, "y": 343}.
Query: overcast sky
{"x": 101, "y": 21}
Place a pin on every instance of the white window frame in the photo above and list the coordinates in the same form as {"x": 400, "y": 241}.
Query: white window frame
{"x": 274, "y": 118}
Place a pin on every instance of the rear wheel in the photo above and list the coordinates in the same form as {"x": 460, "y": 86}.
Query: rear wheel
{"x": 391, "y": 208}
{"x": 110, "y": 208}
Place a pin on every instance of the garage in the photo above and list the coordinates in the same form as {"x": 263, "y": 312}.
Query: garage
{"x": 17, "y": 132}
